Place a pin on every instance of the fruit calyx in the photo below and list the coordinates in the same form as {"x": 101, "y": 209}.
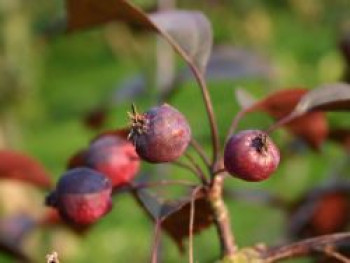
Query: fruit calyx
{"x": 260, "y": 143}
{"x": 139, "y": 123}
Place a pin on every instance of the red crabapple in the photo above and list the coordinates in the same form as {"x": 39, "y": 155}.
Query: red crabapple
{"x": 82, "y": 196}
{"x": 111, "y": 154}
{"x": 251, "y": 155}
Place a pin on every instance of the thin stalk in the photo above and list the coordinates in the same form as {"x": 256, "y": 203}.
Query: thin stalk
{"x": 162, "y": 183}
{"x": 329, "y": 251}
{"x": 235, "y": 122}
{"x": 281, "y": 122}
{"x": 196, "y": 166}
{"x": 205, "y": 94}
{"x": 156, "y": 239}
{"x": 199, "y": 149}
{"x": 189, "y": 168}
{"x": 222, "y": 218}
{"x": 192, "y": 215}
{"x": 304, "y": 247}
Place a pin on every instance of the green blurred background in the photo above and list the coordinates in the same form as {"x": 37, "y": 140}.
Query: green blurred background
{"x": 50, "y": 81}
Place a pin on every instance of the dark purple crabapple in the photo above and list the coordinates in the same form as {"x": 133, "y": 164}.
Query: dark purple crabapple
{"x": 162, "y": 134}
{"x": 251, "y": 155}
{"x": 82, "y": 196}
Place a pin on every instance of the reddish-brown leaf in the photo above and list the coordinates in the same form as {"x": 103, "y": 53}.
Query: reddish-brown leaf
{"x": 175, "y": 215}
{"x": 188, "y": 32}
{"x": 95, "y": 119}
{"x": 19, "y": 166}
{"x": 312, "y": 127}
{"x": 331, "y": 213}
{"x": 341, "y": 136}
{"x": 323, "y": 210}
{"x": 176, "y": 219}
{"x": 90, "y": 13}
{"x": 77, "y": 160}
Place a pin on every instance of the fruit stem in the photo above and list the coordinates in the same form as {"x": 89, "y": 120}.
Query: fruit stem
{"x": 222, "y": 217}
{"x": 235, "y": 122}
{"x": 282, "y": 121}
{"x": 156, "y": 240}
{"x": 210, "y": 113}
{"x": 205, "y": 93}
{"x": 195, "y": 170}
{"x": 160, "y": 183}
{"x": 199, "y": 149}
{"x": 197, "y": 167}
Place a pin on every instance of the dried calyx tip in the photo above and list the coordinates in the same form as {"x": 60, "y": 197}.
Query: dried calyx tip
{"x": 138, "y": 123}
{"x": 260, "y": 143}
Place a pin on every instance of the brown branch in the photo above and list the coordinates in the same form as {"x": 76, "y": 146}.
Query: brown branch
{"x": 304, "y": 248}
{"x": 222, "y": 218}
{"x": 329, "y": 251}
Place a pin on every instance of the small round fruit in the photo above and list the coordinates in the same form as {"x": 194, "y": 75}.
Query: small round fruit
{"x": 82, "y": 196}
{"x": 162, "y": 134}
{"x": 111, "y": 154}
{"x": 251, "y": 155}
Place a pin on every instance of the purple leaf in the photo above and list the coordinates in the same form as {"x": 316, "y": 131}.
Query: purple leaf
{"x": 190, "y": 31}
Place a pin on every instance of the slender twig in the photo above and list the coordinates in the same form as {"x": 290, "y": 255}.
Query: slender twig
{"x": 196, "y": 166}
{"x": 198, "y": 148}
{"x": 281, "y": 122}
{"x": 192, "y": 215}
{"x": 305, "y": 247}
{"x": 189, "y": 168}
{"x": 157, "y": 234}
{"x": 205, "y": 94}
{"x": 329, "y": 251}
{"x": 235, "y": 122}
{"x": 162, "y": 183}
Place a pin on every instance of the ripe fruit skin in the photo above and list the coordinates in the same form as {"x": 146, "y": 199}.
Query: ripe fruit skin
{"x": 251, "y": 156}
{"x": 115, "y": 157}
{"x": 162, "y": 134}
{"x": 82, "y": 196}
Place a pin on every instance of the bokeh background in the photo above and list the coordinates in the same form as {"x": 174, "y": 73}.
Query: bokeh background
{"x": 55, "y": 88}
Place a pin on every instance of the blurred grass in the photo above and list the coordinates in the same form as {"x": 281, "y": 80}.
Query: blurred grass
{"x": 80, "y": 71}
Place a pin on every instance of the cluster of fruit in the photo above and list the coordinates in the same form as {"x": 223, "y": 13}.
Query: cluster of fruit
{"x": 162, "y": 134}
